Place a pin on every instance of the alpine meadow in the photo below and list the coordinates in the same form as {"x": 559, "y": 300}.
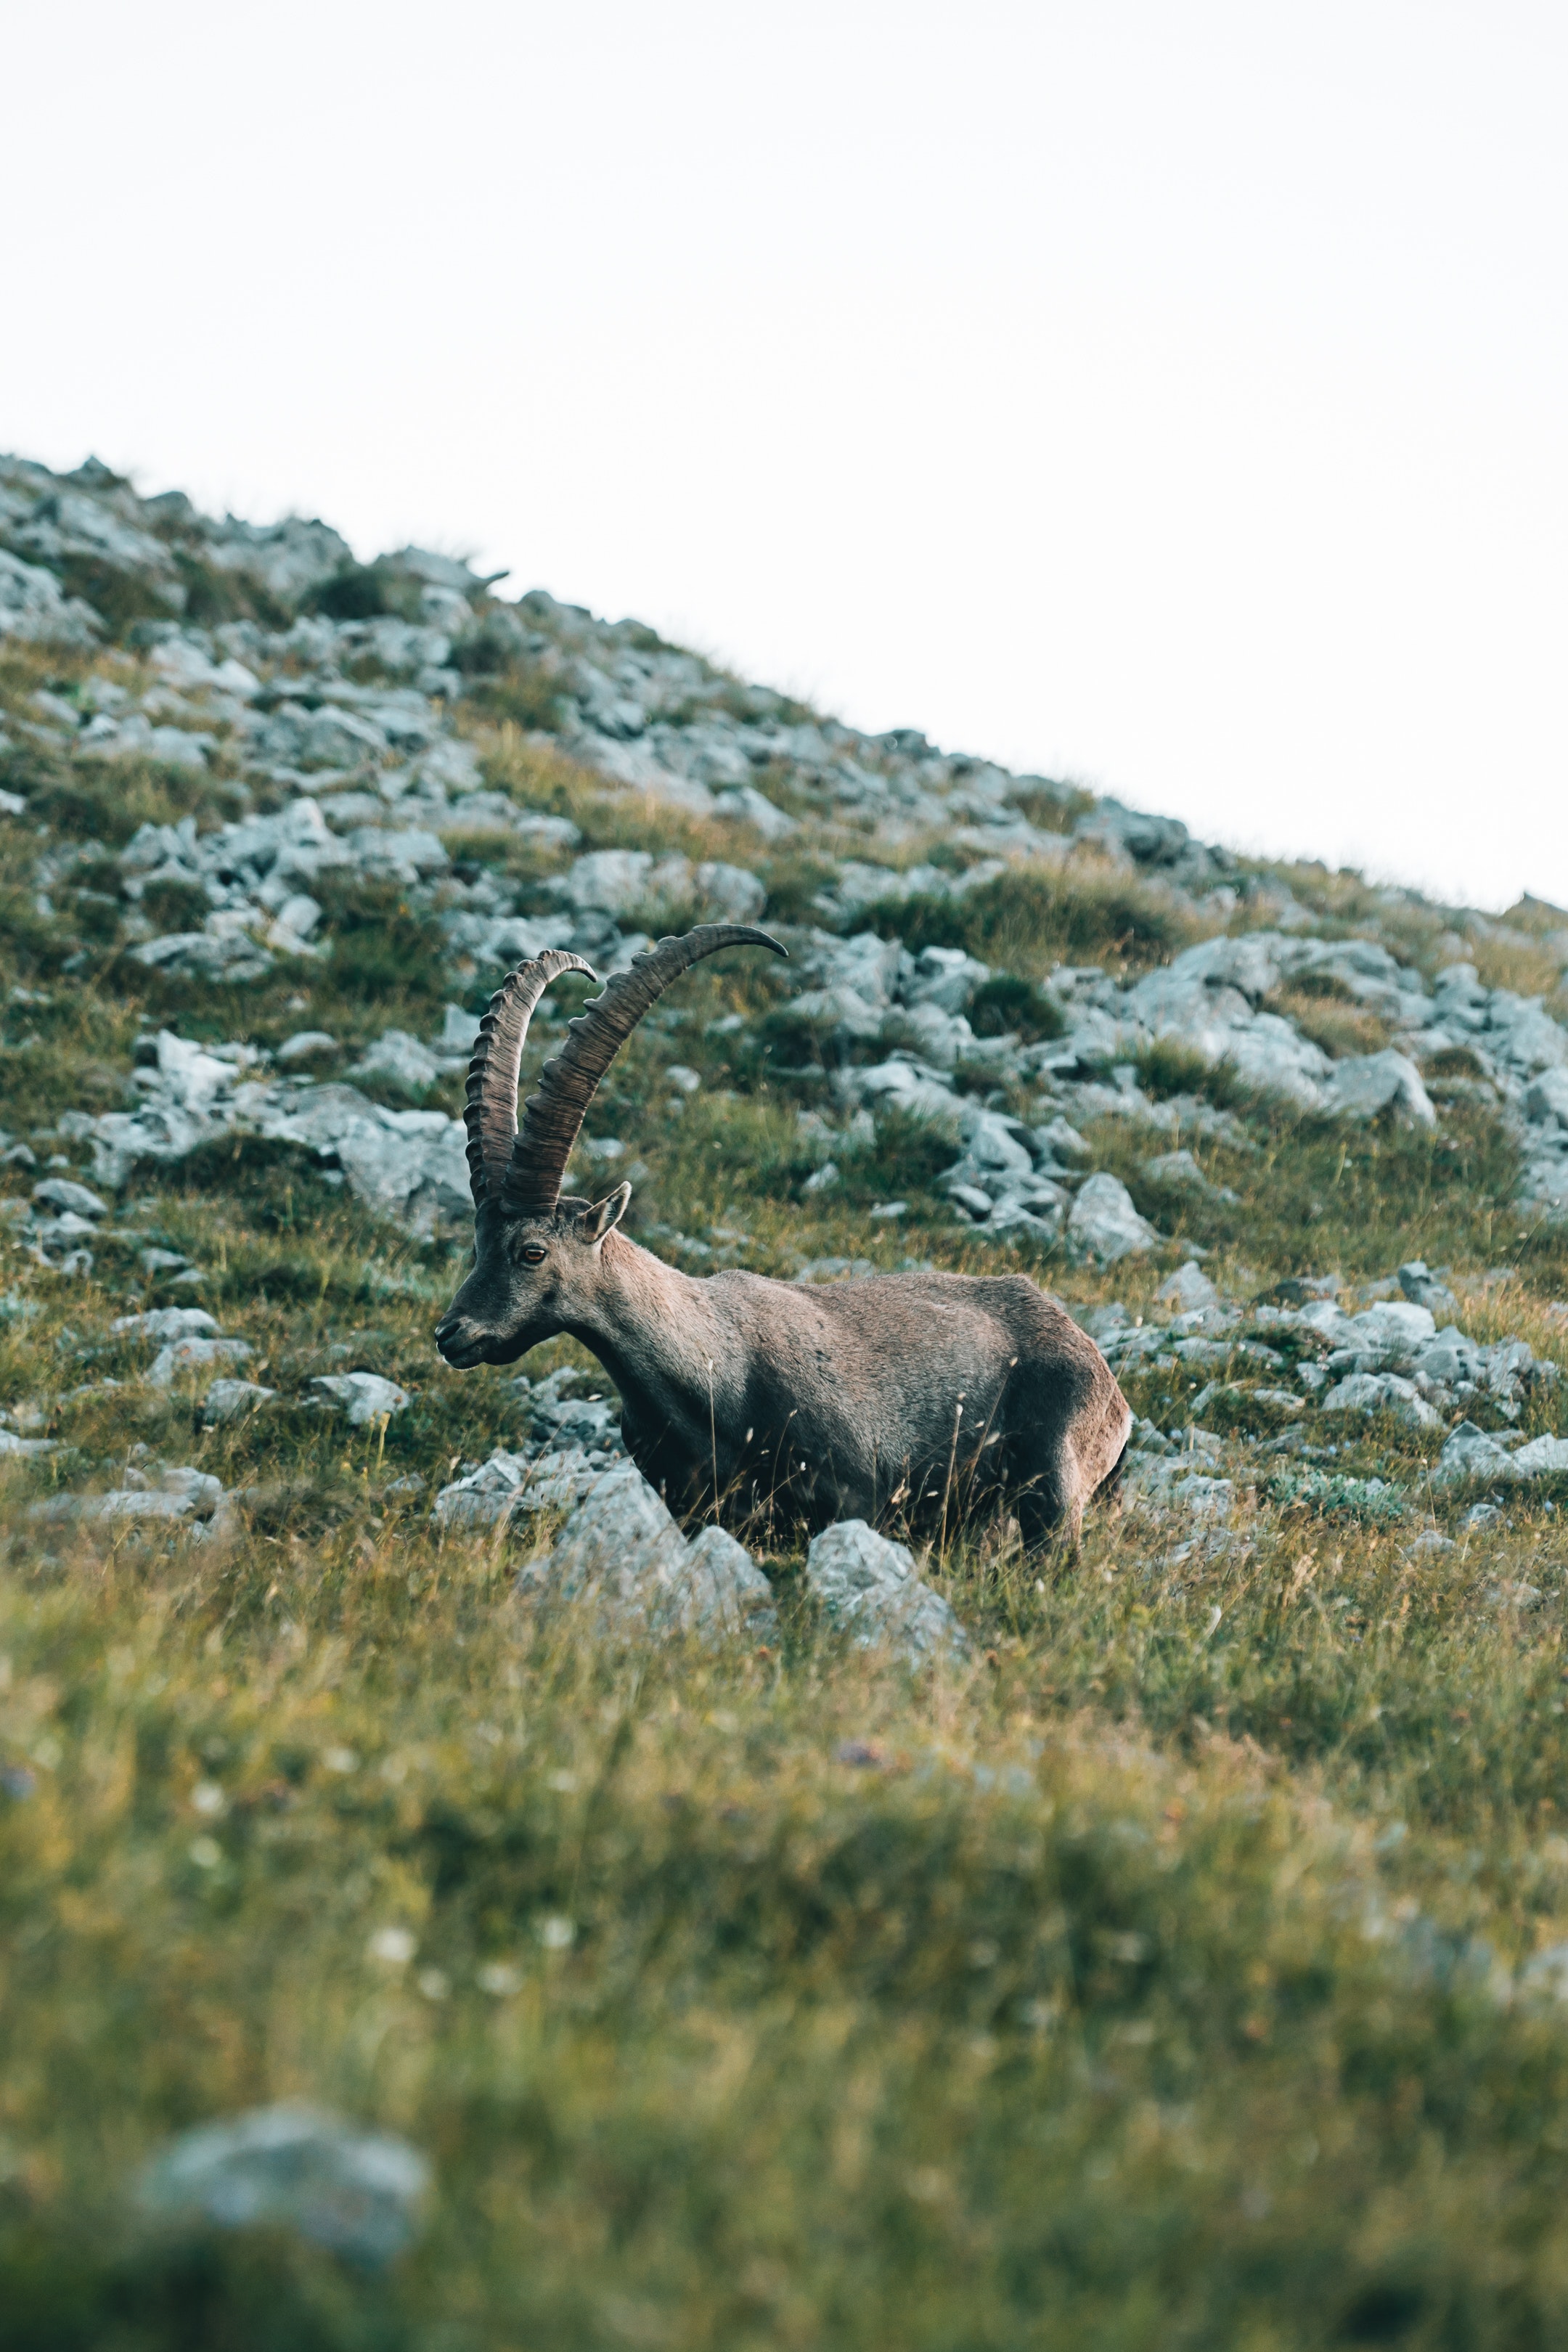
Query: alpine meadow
{"x": 457, "y": 1898}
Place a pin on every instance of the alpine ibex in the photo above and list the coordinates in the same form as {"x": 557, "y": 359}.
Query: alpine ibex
{"x": 875, "y": 1399}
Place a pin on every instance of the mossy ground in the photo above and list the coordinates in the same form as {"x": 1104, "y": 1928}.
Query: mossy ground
{"x": 1140, "y": 1982}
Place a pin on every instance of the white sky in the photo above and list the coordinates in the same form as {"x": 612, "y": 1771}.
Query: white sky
{"x": 1162, "y": 393}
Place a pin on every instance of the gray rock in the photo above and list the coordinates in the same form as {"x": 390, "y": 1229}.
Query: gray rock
{"x": 459, "y": 1030}
{"x": 166, "y": 1323}
{"x": 1188, "y": 1289}
{"x": 1423, "y": 1288}
{"x": 1471, "y": 1454}
{"x": 867, "y": 1586}
{"x": 181, "y": 1494}
{"x": 307, "y": 1046}
{"x": 615, "y": 880}
{"x": 1180, "y": 1172}
{"x": 293, "y": 2168}
{"x": 728, "y": 894}
{"x": 59, "y": 1193}
{"x": 1546, "y": 1099}
{"x": 23, "y": 1448}
{"x": 193, "y": 1356}
{"x": 364, "y": 1397}
{"x": 1541, "y": 1457}
{"x": 744, "y": 803}
{"x": 397, "y": 1055}
{"x": 34, "y": 611}
{"x": 723, "y": 1593}
{"x": 1370, "y": 1084}
{"x": 621, "y": 1556}
{"x": 1382, "y": 1393}
{"x": 233, "y": 1399}
{"x": 230, "y": 956}
{"x": 491, "y": 1496}
{"x": 1103, "y": 1225}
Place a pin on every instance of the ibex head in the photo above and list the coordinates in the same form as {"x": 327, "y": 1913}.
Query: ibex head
{"x": 536, "y": 1255}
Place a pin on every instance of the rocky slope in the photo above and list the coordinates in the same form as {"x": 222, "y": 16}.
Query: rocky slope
{"x": 322, "y": 754}
{"x": 547, "y": 1923}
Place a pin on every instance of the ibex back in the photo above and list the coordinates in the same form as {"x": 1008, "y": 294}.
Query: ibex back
{"x": 897, "y": 1397}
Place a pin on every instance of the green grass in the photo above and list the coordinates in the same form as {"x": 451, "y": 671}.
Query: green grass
{"x": 1145, "y": 1982}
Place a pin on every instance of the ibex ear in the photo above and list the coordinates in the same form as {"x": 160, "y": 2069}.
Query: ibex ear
{"x": 604, "y": 1215}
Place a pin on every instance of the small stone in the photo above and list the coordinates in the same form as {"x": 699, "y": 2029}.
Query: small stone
{"x": 1382, "y": 1393}
{"x": 365, "y": 1397}
{"x": 193, "y": 1355}
{"x": 307, "y": 1046}
{"x": 867, "y": 1586}
{"x": 294, "y": 2167}
{"x": 622, "y": 1555}
{"x": 1187, "y": 1289}
{"x": 1471, "y": 1454}
{"x": 61, "y": 1193}
{"x": 1103, "y": 1225}
{"x": 231, "y": 1400}
{"x": 167, "y": 1323}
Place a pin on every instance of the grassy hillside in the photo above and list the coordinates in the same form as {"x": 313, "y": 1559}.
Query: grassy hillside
{"x": 1184, "y": 1966}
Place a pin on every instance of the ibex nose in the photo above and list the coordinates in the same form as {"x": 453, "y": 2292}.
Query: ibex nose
{"x": 455, "y": 1336}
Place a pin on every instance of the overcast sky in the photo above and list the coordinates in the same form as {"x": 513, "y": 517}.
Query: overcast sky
{"x": 1163, "y": 393}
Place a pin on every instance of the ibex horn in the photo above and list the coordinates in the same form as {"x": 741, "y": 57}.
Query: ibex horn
{"x": 489, "y": 1113}
{"x": 552, "y": 1117}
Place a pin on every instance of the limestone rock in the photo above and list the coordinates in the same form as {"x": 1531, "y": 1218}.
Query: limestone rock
{"x": 61, "y": 1193}
{"x": 364, "y": 1397}
{"x": 1382, "y": 1393}
{"x": 1471, "y": 1454}
{"x": 232, "y": 1400}
{"x": 193, "y": 1355}
{"x": 621, "y": 1555}
{"x": 1543, "y": 1457}
{"x": 1103, "y": 1225}
{"x": 293, "y": 2168}
{"x": 1369, "y": 1084}
{"x": 867, "y": 1586}
{"x": 1187, "y": 1289}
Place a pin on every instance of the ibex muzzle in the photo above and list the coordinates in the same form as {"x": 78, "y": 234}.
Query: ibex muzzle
{"x": 897, "y": 1397}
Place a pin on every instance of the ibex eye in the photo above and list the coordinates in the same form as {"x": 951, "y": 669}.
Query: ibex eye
{"x": 533, "y": 1256}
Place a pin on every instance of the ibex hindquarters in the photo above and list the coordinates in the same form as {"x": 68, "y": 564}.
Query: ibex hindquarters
{"x": 901, "y": 1398}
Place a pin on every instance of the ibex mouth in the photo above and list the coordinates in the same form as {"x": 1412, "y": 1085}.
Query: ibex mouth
{"x": 461, "y": 1344}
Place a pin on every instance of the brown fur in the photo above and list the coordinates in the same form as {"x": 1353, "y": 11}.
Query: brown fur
{"x": 895, "y": 1399}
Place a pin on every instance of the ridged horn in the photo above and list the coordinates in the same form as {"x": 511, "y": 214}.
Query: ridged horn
{"x": 552, "y": 1117}
{"x": 490, "y": 1111}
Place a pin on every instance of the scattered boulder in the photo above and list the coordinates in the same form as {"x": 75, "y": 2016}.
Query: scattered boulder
{"x": 1187, "y": 1289}
{"x": 61, "y": 1193}
{"x": 867, "y": 1586}
{"x": 1541, "y": 1457}
{"x": 180, "y": 1493}
{"x": 1103, "y": 1225}
{"x": 1370, "y": 1084}
{"x": 1179, "y": 1171}
{"x": 622, "y": 1556}
{"x": 1471, "y": 1454}
{"x": 1382, "y": 1393}
{"x": 166, "y": 1323}
{"x": 193, "y": 1356}
{"x": 364, "y": 1397}
{"x": 397, "y": 1055}
{"x": 233, "y": 1399}
{"x": 293, "y": 2168}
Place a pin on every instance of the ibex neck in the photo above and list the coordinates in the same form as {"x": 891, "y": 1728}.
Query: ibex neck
{"x": 653, "y": 1328}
